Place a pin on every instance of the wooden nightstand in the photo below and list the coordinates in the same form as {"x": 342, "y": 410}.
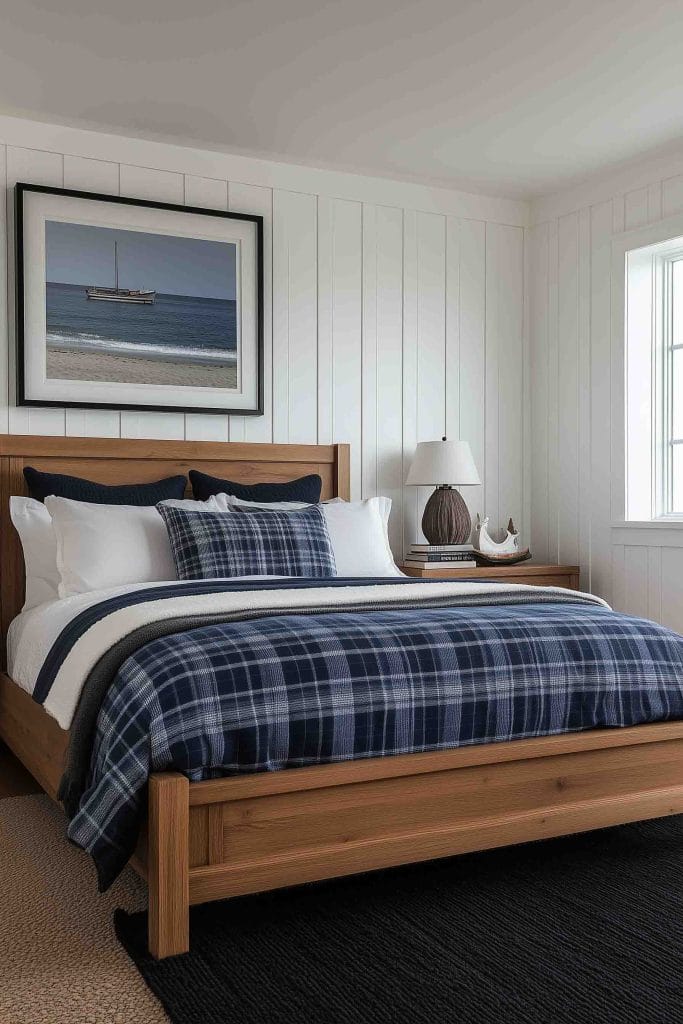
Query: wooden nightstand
{"x": 530, "y": 573}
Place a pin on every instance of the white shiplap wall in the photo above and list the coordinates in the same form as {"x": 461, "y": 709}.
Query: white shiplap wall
{"x": 393, "y": 311}
{"x": 638, "y": 569}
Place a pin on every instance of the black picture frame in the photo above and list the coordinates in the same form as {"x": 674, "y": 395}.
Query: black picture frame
{"x": 22, "y": 189}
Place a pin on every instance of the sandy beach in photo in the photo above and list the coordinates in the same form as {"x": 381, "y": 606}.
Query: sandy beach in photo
{"x": 71, "y": 364}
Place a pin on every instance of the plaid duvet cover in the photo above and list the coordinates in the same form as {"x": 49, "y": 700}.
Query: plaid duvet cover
{"x": 290, "y": 690}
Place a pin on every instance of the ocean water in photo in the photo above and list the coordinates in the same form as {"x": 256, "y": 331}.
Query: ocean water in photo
{"x": 175, "y": 328}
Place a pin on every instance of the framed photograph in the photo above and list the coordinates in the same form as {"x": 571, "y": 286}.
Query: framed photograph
{"x": 129, "y": 304}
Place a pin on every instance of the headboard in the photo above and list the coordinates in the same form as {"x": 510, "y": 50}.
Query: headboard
{"x": 117, "y": 461}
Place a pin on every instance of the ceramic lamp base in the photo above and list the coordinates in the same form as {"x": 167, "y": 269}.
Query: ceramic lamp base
{"x": 445, "y": 519}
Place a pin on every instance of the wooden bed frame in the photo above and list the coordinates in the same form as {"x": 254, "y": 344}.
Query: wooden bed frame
{"x": 210, "y": 840}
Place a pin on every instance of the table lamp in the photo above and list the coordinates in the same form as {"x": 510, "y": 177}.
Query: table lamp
{"x": 444, "y": 463}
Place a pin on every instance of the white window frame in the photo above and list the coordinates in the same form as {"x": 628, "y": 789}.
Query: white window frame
{"x": 641, "y": 364}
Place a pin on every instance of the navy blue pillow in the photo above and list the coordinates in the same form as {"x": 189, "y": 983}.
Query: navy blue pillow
{"x": 306, "y": 488}
{"x": 40, "y": 485}
{"x": 211, "y": 545}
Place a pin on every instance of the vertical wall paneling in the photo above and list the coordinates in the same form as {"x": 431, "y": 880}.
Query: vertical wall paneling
{"x": 431, "y": 335}
{"x": 618, "y": 214}
{"x": 377, "y": 318}
{"x": 346, "y": 332}
{"x": 157, "y": 425}
{"x": 325, "y": 319}
{"x": 504, "y": 374}
{"x": 671, "y": 590}
{"x": 295, "y": 317}
{"x": 568, "y": 388}
{"x": 493, "y": 326}
{"x": 584, "y": 399}
{"x": 209, "y": 193}
{"x": 636, "y": 208}
{"x": 577, "y": 392}
{"x": 411, "y": 528}
{"x": 553, "y": 396}
{"x": 295, "y": 369}
{"x": 601, "y": 398}
{"x": 526, "y": 439}
{"x": 654, "y": 584}
{"x": 473, "y": 351}
{"x": 672, "y": 195}
{"x": 636, "y": 579}
{"x": 369, "y": 355}
{"x": 150, "y": 183}
{"x": 204, "y": 427}
{"x": 654, "y": 202}
{"x": 618, "y": 555}
{"x": 339, "y": 381}
{"x": 389, "y": 374}
{"x": 506, "y": 405}
{"x": 452, "y": 327}
{"x": 88, "y": 175}
{"x": 540, "y": 393}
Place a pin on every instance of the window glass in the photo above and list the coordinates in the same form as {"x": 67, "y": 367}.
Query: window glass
{"x": 677, "y": 479}
{"x": 677, "y": 394}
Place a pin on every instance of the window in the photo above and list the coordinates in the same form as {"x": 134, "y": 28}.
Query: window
{"x": 673, "y": 489}
{"x": 653, "y": 329}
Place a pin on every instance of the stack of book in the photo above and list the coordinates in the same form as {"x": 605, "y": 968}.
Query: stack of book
{"x": 441, "y": 556}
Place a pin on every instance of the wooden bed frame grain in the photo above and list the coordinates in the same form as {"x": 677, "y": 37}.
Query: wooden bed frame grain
{"x": 210, "y": 840}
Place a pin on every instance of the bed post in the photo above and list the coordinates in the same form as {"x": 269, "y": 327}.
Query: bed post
{"x": 342, "y": 471}
{"x": 168, "y": 870}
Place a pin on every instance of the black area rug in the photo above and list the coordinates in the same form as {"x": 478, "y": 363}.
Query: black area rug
{"x": 585, "y": 930}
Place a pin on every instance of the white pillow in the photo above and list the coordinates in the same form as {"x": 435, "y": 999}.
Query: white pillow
{"x": 101, "y": 546}
{"x": 358, "y": 532}
{"x": 33, "y": 524}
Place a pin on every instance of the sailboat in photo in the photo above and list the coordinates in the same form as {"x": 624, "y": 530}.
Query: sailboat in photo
{"x": 116, "y": 294}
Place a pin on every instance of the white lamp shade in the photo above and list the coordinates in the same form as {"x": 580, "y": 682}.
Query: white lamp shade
{"x": 442, "y": 462}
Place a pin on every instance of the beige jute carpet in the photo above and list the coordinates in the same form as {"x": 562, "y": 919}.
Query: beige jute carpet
{"x": 60, "y": 962}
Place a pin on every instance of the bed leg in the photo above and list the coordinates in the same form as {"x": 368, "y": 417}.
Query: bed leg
{"x": 168, "y": 871}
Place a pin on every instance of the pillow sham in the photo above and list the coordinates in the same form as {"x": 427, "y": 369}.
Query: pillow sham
{"x": 100, "y": 546}
{"x": 358, "y": 533}
{"x": 306, "y": 489}
{"x": 40, "y": 485}
{"x": 33, "y": 523}
{"x": 223, "y": 544}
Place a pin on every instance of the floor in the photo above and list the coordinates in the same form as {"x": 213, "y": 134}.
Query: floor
{"x": 60, "y": 962}
{"x": 14, "y": 779}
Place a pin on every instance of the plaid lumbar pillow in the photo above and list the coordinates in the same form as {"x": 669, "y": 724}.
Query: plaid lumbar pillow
{"x": 210, "y": 545}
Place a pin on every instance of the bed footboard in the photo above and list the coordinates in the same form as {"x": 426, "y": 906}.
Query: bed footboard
{"x": 228, "y": 837}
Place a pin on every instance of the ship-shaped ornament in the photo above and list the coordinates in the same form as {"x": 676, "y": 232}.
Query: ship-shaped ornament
{"x": 504, "y": 552}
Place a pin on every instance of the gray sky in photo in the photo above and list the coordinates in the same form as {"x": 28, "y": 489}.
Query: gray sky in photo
{"x": 83, "y": 254}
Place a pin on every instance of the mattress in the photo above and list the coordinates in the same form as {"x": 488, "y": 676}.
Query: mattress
{"x": 32, "y": 633}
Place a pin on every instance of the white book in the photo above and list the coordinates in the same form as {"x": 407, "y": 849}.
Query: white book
{"x": 460, "y": 564}
{"x": 436, "y": 548}
{"x": 439, "y": 556}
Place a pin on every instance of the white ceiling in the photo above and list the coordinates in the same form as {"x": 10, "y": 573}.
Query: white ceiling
{"x": 510, "y": 97}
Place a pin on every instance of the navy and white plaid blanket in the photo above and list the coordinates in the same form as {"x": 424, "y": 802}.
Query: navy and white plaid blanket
{"x": 293, "y": 688}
